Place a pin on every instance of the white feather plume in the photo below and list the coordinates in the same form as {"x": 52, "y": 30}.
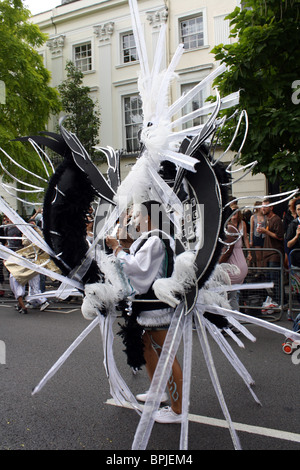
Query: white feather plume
{"x": 104, "y": 295}
{"x": 169, "y": 289}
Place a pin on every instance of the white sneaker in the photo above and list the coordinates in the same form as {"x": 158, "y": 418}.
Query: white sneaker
{"x": 143, "y": 396}
{"x": 44, "y": 306}
{"x": 268, "y": 307}
{"x": 267, "y": 301}
{"x": 167, "y": 415}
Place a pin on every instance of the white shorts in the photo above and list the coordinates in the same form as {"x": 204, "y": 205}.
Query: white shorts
{"x": 17, "y": 289}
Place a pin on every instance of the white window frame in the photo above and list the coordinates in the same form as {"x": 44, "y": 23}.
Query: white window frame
{"x": 131, "y": 47}
{"x": 135, "y": 127}
{"x": 80, "y": 44}
{"x": 192, "y": 15}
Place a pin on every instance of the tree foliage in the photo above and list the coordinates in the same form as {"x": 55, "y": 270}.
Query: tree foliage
{"x": 29, "y": 99}
{"x": 83, "y": 117}
{"x": 263, "y": 63}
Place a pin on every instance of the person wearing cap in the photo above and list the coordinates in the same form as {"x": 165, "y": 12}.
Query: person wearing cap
{"x": 293, "y": 237}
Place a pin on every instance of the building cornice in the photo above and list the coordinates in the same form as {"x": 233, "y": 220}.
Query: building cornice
{"x": 104, "y": 31}
{"x": 158, "y": 16}
{"x": 56, "y": 45}
{"x": 71, "y": 11}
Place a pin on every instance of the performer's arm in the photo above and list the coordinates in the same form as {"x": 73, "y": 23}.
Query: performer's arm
{"x": 142, "y": 267}
{"x": 292, "y": 241}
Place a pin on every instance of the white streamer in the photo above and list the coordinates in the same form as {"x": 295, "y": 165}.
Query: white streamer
{"x": 214, "y": 377}
{"x": 65, "y": 356}
{"x": 160, "y": 378}
{"x": 186, "y": 382}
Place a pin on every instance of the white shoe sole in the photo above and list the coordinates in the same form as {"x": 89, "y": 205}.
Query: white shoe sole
{"x": 143, "y": 397}
{"x": 167, "y": 417}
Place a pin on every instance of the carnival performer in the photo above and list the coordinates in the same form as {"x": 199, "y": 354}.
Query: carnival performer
{"x": 234, "y": 254}
{"x": 20, "y": 275}
{"x": 150, "y": 258}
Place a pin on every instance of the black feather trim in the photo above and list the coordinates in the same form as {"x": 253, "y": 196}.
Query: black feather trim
{"x": 218, "y": 320}
{"x": 67, "y": 200}
{"x": 132, "y": 335}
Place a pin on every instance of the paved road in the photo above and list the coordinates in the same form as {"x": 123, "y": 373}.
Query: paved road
{"x": 74, "y": 410}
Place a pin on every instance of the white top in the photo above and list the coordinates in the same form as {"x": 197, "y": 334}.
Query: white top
{"x": 145, "y": 266}
{"x": 142, "y": 268}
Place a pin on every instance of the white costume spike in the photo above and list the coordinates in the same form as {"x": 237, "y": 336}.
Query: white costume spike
{"x": 14, "y": 177}
{"x": 26, "y": 229}
{"x": 197, "y": 288}
{"x": 23, "y": 168}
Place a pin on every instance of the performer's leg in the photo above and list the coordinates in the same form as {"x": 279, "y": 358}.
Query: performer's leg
{"x": 175, "y": 380}
{"x": 18, "y": 291}
{"x": 150, "y": 355}
{"x": 21, "y": 303}
{"x": 34, "y": 288}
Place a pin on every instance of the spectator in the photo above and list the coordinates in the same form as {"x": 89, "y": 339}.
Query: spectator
{"x": 234, "y": 253}
{"x": 258, "y": 219}
{"x": 14, "y": 242}
{"x": 274, "y": 234}
{"x": 293, "y": 237}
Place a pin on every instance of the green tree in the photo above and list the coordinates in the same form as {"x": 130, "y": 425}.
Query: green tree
{"x": 264, "y": 64}
{"x": 29, "y": 100}
{"x": 83, "y": 117}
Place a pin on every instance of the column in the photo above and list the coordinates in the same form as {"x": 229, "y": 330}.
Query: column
{"x": 56, "y": 46}
{"x": 156, "y": 18}
{"x": 104, "y": 34}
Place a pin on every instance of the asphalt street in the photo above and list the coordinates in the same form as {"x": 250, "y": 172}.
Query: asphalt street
{"x": 74, "y": 411}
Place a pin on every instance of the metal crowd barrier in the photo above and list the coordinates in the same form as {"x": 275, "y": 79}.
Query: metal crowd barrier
{"x": 294, "y": 287}
{"x": 287, "y": 287}
{"x": 251, "y": 301}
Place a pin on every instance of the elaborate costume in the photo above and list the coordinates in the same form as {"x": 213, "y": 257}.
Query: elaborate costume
{"x": 178, "y": 169}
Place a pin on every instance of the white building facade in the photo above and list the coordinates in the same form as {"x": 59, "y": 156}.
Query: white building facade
{"x": 97, "y": 36}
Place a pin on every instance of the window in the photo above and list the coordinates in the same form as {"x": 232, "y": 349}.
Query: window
{"x": 128, "y": 48}
{"x": 83, "y": 57}
{"x": 133, "y": 119}
{"x": 191, "y": 32}
{"x": 196, "y": 103}
{"x": 222, "y": 30}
